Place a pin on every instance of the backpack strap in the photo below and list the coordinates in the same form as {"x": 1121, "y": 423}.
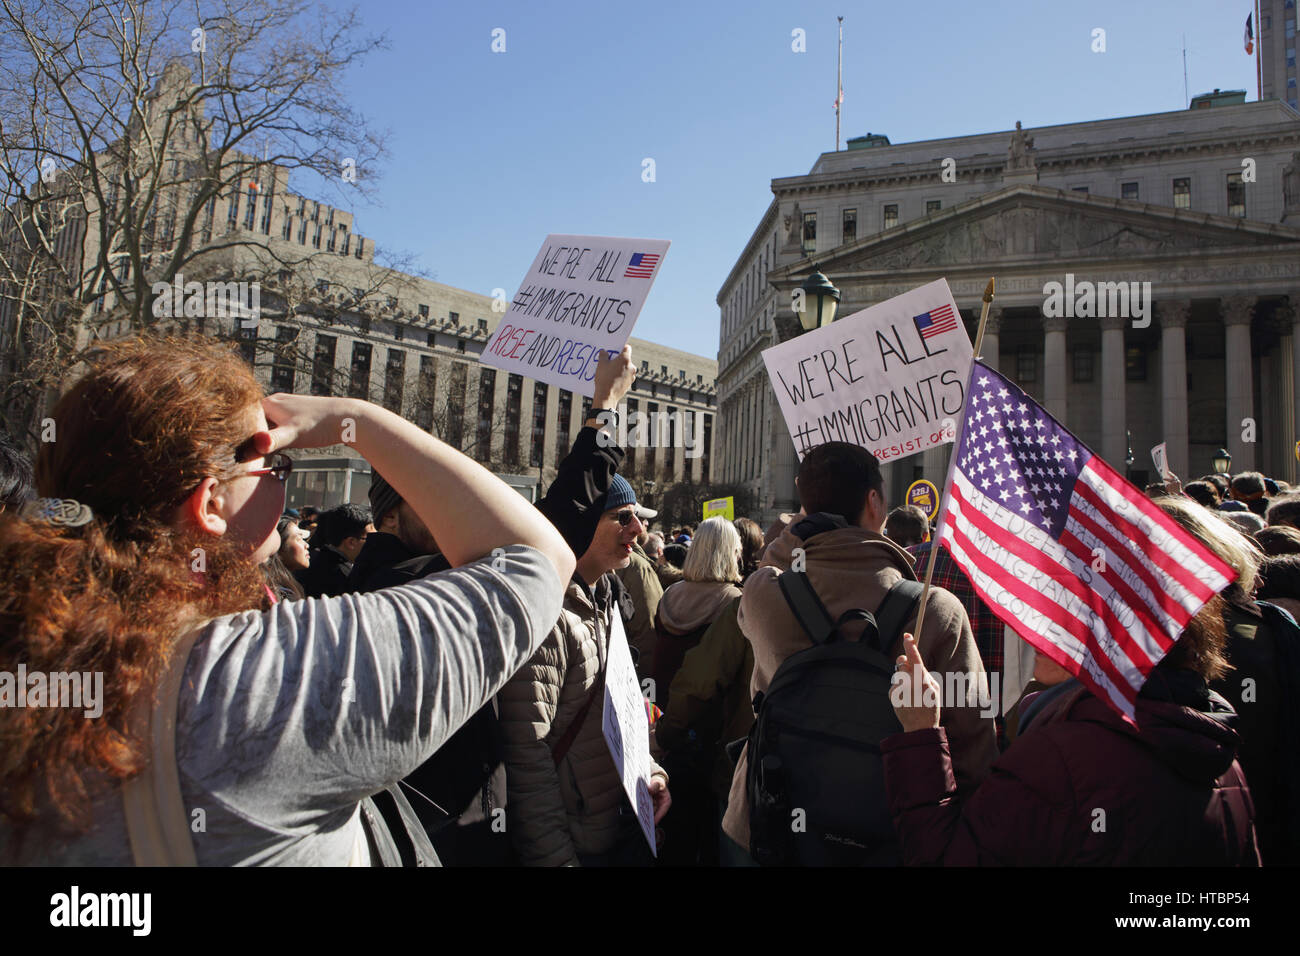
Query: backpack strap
{"x": 896, "y": 611}
{"x": 812, "y": 615}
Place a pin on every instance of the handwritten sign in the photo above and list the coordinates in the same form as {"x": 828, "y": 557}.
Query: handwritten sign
{"x": 891, "y": 378}
{"x": 720, "y": 508}
{"x": 627, "y": 729}
{"x": 581, "y": 297}
{"x": 1160, "y": 455}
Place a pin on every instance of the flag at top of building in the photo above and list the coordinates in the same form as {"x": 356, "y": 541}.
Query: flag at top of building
{"x": 1063, "y": 549}
{"x": 1250, "y": 35}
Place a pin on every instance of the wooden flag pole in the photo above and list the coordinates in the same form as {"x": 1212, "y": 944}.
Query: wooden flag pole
{"x": 934, "y": 537}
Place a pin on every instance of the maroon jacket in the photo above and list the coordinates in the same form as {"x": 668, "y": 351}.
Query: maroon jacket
{"x": 1081, "y": 787}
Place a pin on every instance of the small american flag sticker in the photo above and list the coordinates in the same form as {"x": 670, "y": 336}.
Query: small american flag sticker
{"x": 642, "y": 265}
{"x": 936, "y": 321}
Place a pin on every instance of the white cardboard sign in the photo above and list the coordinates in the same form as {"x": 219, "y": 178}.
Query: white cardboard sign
{"x": 627, "y": 728}
{"x": 1160, "y": 455}
{"x": 891, "y": 378}
{"x": 581, "y": 296}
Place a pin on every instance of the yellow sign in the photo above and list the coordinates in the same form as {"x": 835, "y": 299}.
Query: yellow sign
{"x": 1297, "y": 451}
{"x": 925, "y": 496}
{"x": 720, "y": 508}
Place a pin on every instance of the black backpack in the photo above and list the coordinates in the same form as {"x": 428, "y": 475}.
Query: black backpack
{"x": 815, "y": 778}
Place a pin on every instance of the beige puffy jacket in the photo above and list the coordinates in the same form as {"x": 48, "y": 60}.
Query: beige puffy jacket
{"x": 555, "y": 813}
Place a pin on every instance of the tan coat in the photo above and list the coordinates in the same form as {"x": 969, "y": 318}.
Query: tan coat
{"x": 851, "y": 568}
{"x": 644, "y": 591}
{"x": 555, "y": 813}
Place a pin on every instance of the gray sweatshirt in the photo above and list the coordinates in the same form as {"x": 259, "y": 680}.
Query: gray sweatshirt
{"x": 288, "y": 718}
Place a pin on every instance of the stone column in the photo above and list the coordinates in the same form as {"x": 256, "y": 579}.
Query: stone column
{"x": 1055, "y": 379}
{"x": 1289, "y": 316}
{"x": 1173, "y": 381}
{"x": 1114, "y": 407}
{"x": 989, "y": 347}
{"x": 1237, "y": 314}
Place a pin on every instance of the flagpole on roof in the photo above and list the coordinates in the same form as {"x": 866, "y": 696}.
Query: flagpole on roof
{"x": 943, "y": 498}
{"x": 839, "y": 85}
{"x": 1259, "y": 69}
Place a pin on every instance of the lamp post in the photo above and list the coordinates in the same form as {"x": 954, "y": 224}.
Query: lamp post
{"x": 1222, "y": 462}
{"x": 819, "y": 302}
{"x": 1128, "y": 456}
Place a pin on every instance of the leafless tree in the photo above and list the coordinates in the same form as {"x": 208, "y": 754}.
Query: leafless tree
{"x": 122, "y": 122}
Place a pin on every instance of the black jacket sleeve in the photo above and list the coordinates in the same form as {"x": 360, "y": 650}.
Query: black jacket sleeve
{"x": 573, "y": 501}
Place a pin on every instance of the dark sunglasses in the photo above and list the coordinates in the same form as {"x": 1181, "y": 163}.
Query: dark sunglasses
{"x": 624, "y": 518}
{"x": 281, "y": 466}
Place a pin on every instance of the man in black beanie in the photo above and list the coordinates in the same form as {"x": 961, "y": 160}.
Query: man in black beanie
{"x": 400, "y": 549}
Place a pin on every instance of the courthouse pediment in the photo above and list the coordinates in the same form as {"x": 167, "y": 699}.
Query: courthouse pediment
{"x": 1032, "y": 222}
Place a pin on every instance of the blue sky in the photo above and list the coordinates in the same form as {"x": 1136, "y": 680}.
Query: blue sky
{"x": 489, "y": 152}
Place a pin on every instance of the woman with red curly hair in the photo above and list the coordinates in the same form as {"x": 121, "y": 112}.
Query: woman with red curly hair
{"x": 140, "y": 565}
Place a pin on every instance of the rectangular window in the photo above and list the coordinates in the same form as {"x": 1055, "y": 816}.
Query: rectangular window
{"x": 425, "y": 392}
{"x": 1080, "y": 189}
{"x": 460, "y": 345}
{"x": 890, "y": 218}
{"x": 329, "y": 243}
{"x": 652, "y": 436}
{"x": 359, "y": 383}
{"x": 315, "y": 236}
{"x": 266, "y": 215}
{"x": 562, "y": 415}
{"x": 456, "y": 405}
{"x": 364, "y": 324}
{"x": 394, "y": 380}
{"x": 1027, "y": 365}
{"x": 809, "y": 232}
{"x": 708, "y": 447}
{"x": 514, "y": 399}
{"x": 482, "y": 325}
{"x": 233, "y": 213}
{"x": 322, "y": 365}
{"x": 347, "y": 241}
{"x": 670, "y": 456}
{"x": 933, "y": 205}
{"x": 322, "y": 286}
{"x": 537, "y": 447}
{"x": 361, "y": 247}
{"x": 287, "y": 232}
{"x": 286, "y": 344}
{"x": 629, "y": 460}
{"x": 850, "y": 230}
{"x": 487, "y": 383}
{"x": 1135, "y": 365}
{"x": 302, "y": 232}
{"x": 1236, "y": 196}
{"x": 1183, "y": 193}
{"x": 1128, "y": 191}
{"x": 1083, "y": 365}
{"x": 454, "y": 318}
{"x": 424, "y": 312}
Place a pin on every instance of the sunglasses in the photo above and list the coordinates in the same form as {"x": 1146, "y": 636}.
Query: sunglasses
{"x": 624, "y": 518}
{"x": 281, "y": 466}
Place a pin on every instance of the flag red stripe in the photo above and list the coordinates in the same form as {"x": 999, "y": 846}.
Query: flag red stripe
{"x": 1163, "y": 600}
{"x": 1154, "y": 555}
{"x": 1121, "y": 486}
{"x": 1065, "y": 577}
{"x": 1058, "y": 615}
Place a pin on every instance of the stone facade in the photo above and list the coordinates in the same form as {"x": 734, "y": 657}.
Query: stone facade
{"x": 1152, "y": 199}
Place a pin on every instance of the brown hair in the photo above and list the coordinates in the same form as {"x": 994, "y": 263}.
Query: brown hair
{"x": 751, "y": 545}
{"x": 135, "y": 436}
{"x": 1200, "y": 647}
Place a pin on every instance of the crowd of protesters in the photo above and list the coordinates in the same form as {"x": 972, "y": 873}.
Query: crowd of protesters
{"x": 421, "y": 681}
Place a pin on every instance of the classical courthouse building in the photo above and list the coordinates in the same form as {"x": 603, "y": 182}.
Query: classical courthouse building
{"x": 1203, "y": 204}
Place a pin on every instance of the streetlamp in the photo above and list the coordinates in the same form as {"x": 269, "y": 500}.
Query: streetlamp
{"x": 1128, "y": 457}
{"x": 819, "y": 302}
{"x": 1222, "y": 462}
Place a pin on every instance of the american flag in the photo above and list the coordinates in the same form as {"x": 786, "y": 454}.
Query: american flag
{"x": 1032, "y": 514}
{"x": 642, "y": 265}
{"x": 936, "y": 321}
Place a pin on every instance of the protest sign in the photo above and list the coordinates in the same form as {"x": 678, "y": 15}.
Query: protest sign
{"x": 924, "y": 495}
{"x": 581, "y": 296}
{"x": 891, "y": 378}
{"x": 1160, "y": 455}
{"x": 627, "y": 728}
{"x": 720, "y": 508}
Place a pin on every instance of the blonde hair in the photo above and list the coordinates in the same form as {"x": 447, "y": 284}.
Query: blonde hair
{"x": 714, "y": 554}
{"x": 1235, "y": 549}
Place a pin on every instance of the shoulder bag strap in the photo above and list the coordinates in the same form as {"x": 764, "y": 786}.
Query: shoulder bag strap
{"x": 896, "y": 610}
{"x": 156, "y": 820}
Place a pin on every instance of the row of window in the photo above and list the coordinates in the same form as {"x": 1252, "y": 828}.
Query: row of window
{"x": 1181, "y": 190}
{"x": 323, "y": 371}
{"x": 1083, "y": 365}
